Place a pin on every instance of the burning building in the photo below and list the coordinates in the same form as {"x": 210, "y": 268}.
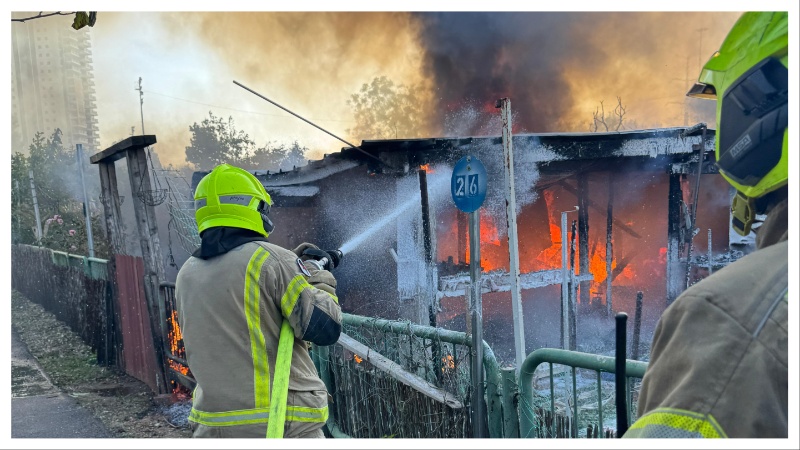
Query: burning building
{"x": 652, "y": 218}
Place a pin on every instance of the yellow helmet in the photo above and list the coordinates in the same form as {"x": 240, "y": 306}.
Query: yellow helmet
{"x": 232, "y": 197}
{"x": 749, "y": 78}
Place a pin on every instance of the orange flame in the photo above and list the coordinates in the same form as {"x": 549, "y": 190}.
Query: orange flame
{"x": 427, "y": 168}
{"x": 491, "y": 249}
{"x": 358, "y": 359}
{"x": 449, "y": 363}
{"x": 175, "y": 337}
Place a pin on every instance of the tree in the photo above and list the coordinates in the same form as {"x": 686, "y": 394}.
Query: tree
{"x": 60, "y": 211}
{"x": 385, "y": 111}
{"x": 613, "y": 120}
{"x": 215, "y": 141}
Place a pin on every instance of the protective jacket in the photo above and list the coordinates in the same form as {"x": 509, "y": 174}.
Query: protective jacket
{"x": 719, "y": 359}
{"x": 232, "y": 301}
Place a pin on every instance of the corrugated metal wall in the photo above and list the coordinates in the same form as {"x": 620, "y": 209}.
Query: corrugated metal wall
{"x": 138, "y": 354}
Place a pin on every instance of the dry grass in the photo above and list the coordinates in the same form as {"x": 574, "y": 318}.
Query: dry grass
{"x": 124, "y": 404}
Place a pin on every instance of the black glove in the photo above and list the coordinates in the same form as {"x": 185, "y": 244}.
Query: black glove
{"x": 329, "y": 259}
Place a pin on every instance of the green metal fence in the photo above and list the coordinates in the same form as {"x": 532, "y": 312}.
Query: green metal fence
{"x": 374, "y": 393}
{"x": 76, "y": 289}
{"x": 540, "y": 418}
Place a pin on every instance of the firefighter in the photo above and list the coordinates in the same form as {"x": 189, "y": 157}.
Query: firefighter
{"x": 719, "y": 356}
{"x": 246, "y": 308}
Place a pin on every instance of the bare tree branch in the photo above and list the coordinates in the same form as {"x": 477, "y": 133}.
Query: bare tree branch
{"x": 40, "y": 15}
{"x": 599, "y": 117}
{"x": 603, "y": 115}
{"x": 619, "y": 111}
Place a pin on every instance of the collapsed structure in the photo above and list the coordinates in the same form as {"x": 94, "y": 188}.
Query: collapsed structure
{"x": 650, "y": 219}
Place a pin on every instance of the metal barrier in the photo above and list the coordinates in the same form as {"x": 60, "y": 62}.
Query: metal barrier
{"x": 533, "y": 424}
{"x": 391, "y": 378}
{"x": 371, "y": 400}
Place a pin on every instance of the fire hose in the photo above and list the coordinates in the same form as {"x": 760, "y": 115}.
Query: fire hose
{"x": 280, "y": 384}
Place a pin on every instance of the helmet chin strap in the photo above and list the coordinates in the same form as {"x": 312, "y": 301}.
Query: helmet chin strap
{"x": 268, "y": 225}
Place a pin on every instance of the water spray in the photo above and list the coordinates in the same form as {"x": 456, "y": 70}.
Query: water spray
{"x": 354, "y": 242}
{"x": 359, "y": 239}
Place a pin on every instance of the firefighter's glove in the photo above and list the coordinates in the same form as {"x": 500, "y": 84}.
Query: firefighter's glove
{"x": 329, "y": 260}
{"x": 301, "y": 248}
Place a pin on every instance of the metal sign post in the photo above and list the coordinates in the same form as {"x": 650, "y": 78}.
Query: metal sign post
{"x": 87, "y": 213}
{"x": 468, "y": 189}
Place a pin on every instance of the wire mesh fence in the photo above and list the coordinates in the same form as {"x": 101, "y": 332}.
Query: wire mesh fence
{"x": 369, "y": 401}
{"x": 181, "y": 213}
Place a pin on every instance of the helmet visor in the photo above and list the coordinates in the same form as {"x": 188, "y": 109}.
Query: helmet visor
{"x": 701, "y": 90}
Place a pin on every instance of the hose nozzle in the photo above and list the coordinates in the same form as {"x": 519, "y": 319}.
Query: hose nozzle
{"x": 336, "y": 257}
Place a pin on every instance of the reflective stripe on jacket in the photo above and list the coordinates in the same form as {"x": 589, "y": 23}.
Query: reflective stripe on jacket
{"x": 230, "y": 309}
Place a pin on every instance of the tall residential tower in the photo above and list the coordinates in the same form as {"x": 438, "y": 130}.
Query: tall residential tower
{"x": 52, "y": 83}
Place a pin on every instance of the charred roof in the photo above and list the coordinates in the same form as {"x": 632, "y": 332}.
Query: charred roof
{"x": 397, "y": 156}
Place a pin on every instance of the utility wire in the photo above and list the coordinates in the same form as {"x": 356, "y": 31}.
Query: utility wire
{"x": 238, "y": 110}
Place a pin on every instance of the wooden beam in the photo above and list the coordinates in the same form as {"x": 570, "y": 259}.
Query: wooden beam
{"x": 118, "y": 150}
{"x": 395, "y": 371}
{"x": 618, "y": 223}
{"x": 111, "y": 209}
{"x": 583, "y": 234}
{"x": 147, "y": 229}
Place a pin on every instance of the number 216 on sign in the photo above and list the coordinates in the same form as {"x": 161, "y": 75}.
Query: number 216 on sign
{"x": 466, "y": 185}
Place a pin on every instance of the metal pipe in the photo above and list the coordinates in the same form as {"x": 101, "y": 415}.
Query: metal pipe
{"x": 695, "y": 194}
{"x": 513, "y": 243}
{"x": 564, "y": 281}
{"x": 573, "y": 291}
{"x": 510, "y": 418}
{"x": 477, "y": 403}
{"x": 609, "y": 245}
{"x": 600, "y": 404}
{"x": 637, "y": 326}
{"x": 619, "y": 374}
{"x": 36, "y": 209}
{"x": 574, "y": 427}
{"x": 90, "y": 241}
{"x": 710, "y": 268}
{"x": 309, "y": 122}
{"x": 568, "y": 358}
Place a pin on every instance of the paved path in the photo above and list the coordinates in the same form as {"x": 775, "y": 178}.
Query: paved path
{"x": 39, "y": 409}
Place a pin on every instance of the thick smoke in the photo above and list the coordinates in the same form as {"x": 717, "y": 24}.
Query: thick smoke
{"x": 557, "y": 67}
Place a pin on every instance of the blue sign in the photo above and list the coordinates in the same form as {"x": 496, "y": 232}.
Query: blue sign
{"x": 468, "y": 184}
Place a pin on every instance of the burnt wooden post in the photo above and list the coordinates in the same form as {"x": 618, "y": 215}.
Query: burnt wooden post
{"x": 111, "y": 210}
{"x": 133, "y": 148}
{"x": 609, "y": 244}
{"x": 583, "y": 235}
{"x": 674, "y": 241}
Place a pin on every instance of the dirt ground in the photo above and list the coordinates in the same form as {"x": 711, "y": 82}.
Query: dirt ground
{"x": 124, "y": 404}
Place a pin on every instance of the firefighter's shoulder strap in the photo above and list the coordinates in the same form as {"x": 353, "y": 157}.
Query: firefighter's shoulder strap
{"x": 280, "y": 384}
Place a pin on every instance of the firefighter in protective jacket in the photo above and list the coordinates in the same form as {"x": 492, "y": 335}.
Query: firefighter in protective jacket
{"x": 719, "y": 357}
{"x": 246, "y": 308}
